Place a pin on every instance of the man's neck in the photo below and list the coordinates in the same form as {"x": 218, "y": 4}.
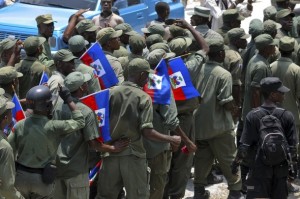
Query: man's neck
{"x": 106, "y": 13}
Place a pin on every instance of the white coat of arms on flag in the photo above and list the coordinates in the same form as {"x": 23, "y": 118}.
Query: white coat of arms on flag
{"x": 155, "y": 82}
{"x": 100, "y": 114}
{"x": 99, "y": 70}
{"x": 177, "y": 80}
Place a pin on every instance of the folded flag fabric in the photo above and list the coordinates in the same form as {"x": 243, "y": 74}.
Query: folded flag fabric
{"x": 44, "y": 78}
{"x": 158, "y": 86}
{"x": 95, "y": 58}
{"x": 99, "y": 103}
{"x": 180, "y": 79}
{"x": 17, "y": 112}
{"x": 93, "y": 173}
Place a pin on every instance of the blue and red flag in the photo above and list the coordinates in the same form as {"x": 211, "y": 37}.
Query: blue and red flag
{"x": 95, "y": 58}
{"x": 158, "y": 86}
{"x": 17, "y": 112}
{"x": 44, "y": 78}
{"x": 94, "y": 172}
{"x": 180, "y": 79}
{"x": 99, "y": 103}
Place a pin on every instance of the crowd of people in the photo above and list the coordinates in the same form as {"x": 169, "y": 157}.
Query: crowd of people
{"x": 253, "y": 86}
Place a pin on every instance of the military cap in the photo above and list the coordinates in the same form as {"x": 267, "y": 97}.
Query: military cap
{"x": 160, "y": 45}
{"x": 177, "y": 31}
{"x": 106, "y": 34}
{"x": 137, "y": 65}
{"x": 8, "y": 74}
{"x": 7, "y": 44}
{"x": 153, "y": 39}
{"x": 200, "y": 11}
{"x": 283, "y": 13}
{"x": 256, "y": 27}
{"x": 156, "y": 55}
{"x": 273, "y": 84}
{"x": 125, "y": 27}
{"x": 137, "y": 42}
{"x": 86, "y": 25}
{"x": 215, "y": 45}
{"x": 180, "y": 44}
{"x": 263, "y": 40}
{"x": 155, "y": 29}
{"x": 231, "y": 14}
{"x": 63, "y": 55}
{"x": 32, "y": 43}
{"x": 77, "y": 43}
{"x": 5, "y": 105}
{"x": 237, "y": 33}
{"x": 271, "y": 26}
{"x": 270, "y": 13}
{"x": 45, "y": 19}
{"x": 76, "y": 79}
{"x": 286, "y": 44}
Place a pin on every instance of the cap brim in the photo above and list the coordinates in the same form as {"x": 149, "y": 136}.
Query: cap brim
{"x": 69, "y": 58}
{"x": 86, "y": 42}
{"x": 92, "y": 29}
{"x": 145, "y": 30}
{"x": 19, "y": 74}
{"x": 169, "y": 55}
{"x": 241, "y": 18}
{"x": 116, "y": 34}
{"x": 10, "y": 105}
{"x": 246, "y": 36}
{"x": 49, "y": 21}
{"x": 131, "y": 33}
{"x": 278, "y": 26}
{"x": 87, "y": 77}
{"x": 283, "y": 89}
{"x": 2, "y": 91}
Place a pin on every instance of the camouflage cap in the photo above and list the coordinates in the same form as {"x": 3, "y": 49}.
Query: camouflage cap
{"x": 270, "y": 13}
{"x": 215, "y": 45}
{"x": 155, "y": 29}
{"x": 32, "y": 43}
{"x": 200, "y": 11}
{"x": 105, "y": 34}
{"x": 77, "y": 43}
{"x": 177, "y": 31}
{"x": 137, "y": 42}
{"x": 237, "y": 33}
{"x": 286, "y": 44}
{"x": 86, "y": 25}
{"x": 7, "y": 44}
{"x": 153, "y": 39}
{"x": 179, "y": 45}
{"x": 5, "y": 104}
{"x": 138, "y": 65}
{"x": 8, "y": 74}
{"x": 263, "y": 40}
{"x": 231, "y": 14}
{"x": 156, "y": 55}
{"x": 160, "y": 45}
{"x": 271, "y": 26}
{"x": 283, "y": 13}
{"x": 256, "y": 27}
{"x": 63, "y": 55}
{"x": 76, "y": 79}
{"x": 125, "y": 27}
{"x": 45, "y": 19}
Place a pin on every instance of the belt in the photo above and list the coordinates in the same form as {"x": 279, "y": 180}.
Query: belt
{"x": 28, "y": 169}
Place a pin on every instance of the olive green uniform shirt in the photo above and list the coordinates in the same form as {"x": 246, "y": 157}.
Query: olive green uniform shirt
{"x": 73, "y": 152}
{"x": 233, "y": 63}
{"x": 8, "y": 170}
{"x": 116, "y": 66}
{"x": 35, "y": 139}
{"x": 46, "y": 56}
{"x": 223, "y": 32}
{"x": 131, "y": 111}
{"x": 125, "y": 61}
{"x": 122, "y": 52}
{"x": 257, "y": 69}
{"x": 289, "y": 74}
{"x": 215, "y": 86}
{"x": 208, "y": 33}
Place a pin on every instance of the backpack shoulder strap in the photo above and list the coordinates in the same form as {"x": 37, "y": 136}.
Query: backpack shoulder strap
{"x": 261, "y": 112}
{"x": 278, "y": 112}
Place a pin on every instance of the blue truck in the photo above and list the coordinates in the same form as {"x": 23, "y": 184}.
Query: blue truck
{"x": 19, "y": 18}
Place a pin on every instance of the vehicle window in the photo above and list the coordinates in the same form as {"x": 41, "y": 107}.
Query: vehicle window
{"x": 71, "y": 4}
{"x": 126, "y": 3}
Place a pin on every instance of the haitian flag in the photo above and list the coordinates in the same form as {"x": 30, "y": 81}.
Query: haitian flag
{"x": 158, "y": 86}
{"x": 17, "y": 112}
{"x": 99, "y": 102}
{"x": 94, "y": 172}
{"x": 44, "y": 78}
{"x": 182, "y": 85}
{"x": 95, "y": 57}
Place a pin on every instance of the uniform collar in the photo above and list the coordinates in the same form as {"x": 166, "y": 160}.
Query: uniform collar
{"x": 29, "y": 58}
{"x": 129, "y": 83}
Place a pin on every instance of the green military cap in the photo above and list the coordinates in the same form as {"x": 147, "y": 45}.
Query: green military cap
{"x": 283, "y": 13}
{"x": 45, "y": 19}
{"x": 86, "y": 25}
{"x": 32, "y": 43}
{"x": 77, "y": 43}
{"x": 256, "y": 27}
{"x": 160, "y": 45}
{"x": 125, "y": 27}
{"x": 180, "y": 44}
{"x": 153, "y": 39}
{"x": 76, "y": 79}
{"x": 286, "y": 44}
{"x": 237, "y": 33}
{"x": 8, "y": 74}
{"x": 63, "y": 55}
{"x": 200, "y": 11}
{"x": 7, "y": 44}
{"x": 106, "y": 34}
{"x": 137, "y": 42}
{"x": 263, "y": 40}
{"x": 177, "y": 31}
{"x": 5, "y": 105}
{"x": 271, "y": 26}
{"x": 215, "y": 45}
{"x": 270, "y": 13}
{"x": 231, "y": 14}
{"x": 155, "y": 29}
{"x": 138, "y": 65}
{"x": 156, "y": 55}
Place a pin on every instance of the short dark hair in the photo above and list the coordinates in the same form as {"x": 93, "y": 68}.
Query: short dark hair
{"x": 265, "y": 94}
{"x": 160, "y": 7}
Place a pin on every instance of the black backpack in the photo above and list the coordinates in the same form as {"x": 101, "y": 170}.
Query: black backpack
{"x": 272, "y": 146}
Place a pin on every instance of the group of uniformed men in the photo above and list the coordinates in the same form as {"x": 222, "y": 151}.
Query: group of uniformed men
{"x": 49, "y": 154}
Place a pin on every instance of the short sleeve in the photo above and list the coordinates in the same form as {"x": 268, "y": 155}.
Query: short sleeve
{"x": 146, "y": 112}
{"x": 225, "y": 89}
